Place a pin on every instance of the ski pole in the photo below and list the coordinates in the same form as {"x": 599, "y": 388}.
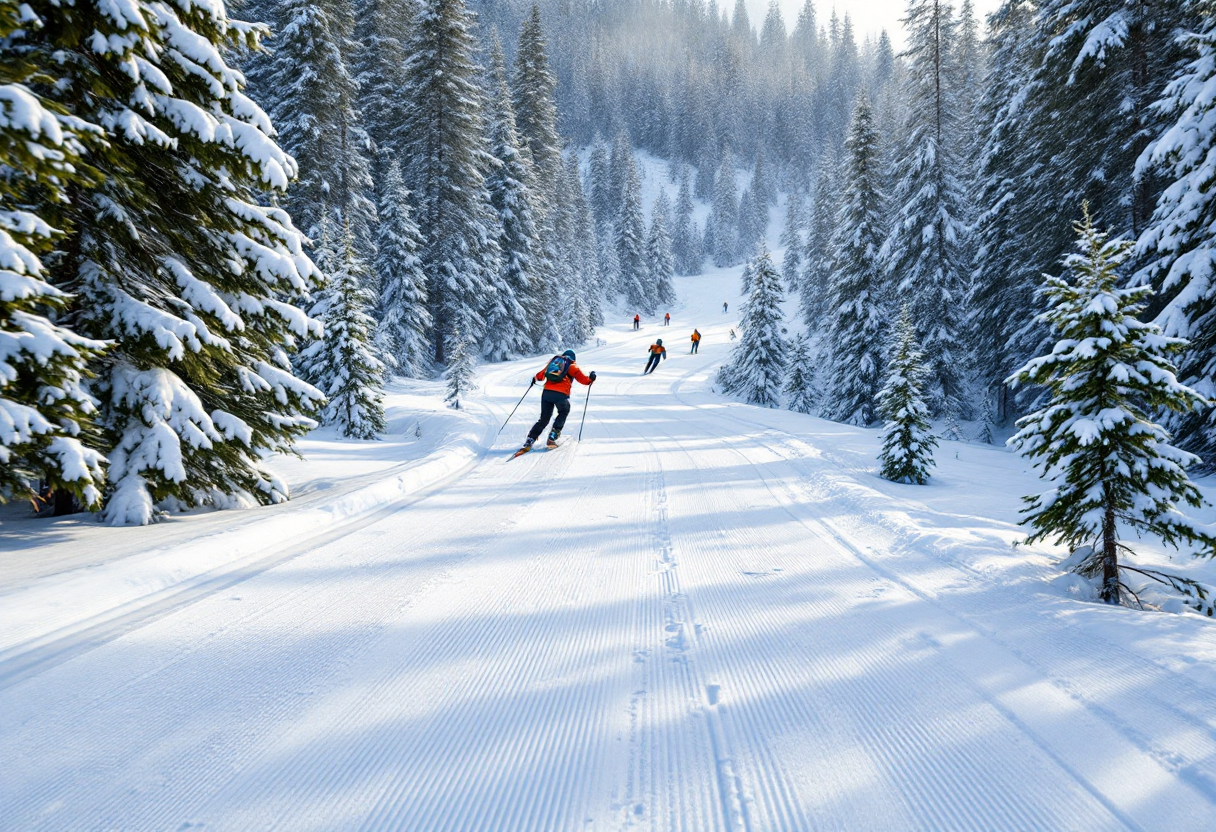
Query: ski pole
{"x": 584, "y": 419}
{"x": 517, "y": 404}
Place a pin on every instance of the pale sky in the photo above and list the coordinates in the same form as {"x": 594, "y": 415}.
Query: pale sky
{"x": 869, "y": 16}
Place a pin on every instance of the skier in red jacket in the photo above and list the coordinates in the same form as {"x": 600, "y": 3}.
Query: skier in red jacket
{"x": 558, "y": 376}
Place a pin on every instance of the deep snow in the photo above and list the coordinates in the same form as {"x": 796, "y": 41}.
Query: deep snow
{"x": 704, "y": 616}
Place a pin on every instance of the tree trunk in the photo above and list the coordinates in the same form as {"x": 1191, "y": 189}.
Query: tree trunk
{"x": 1110, "y": 557}
{"x": 65, "y": 502}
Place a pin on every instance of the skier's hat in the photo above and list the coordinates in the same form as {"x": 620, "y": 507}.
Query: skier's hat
{"x": 568, "y": 354}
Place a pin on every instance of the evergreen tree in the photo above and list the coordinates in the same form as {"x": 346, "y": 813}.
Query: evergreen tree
{"x": 382, "y": 31}
{"x": 443, "y": 137}
{"x": 685, "y": 241}
{"x": 585, "y": 252}
{"x": 817, "y": 271}
{"x": 725, "y": 214}
{"x": 799, "y": 386}
{"x": 1180, "y": 244}
{"x": 404, "y": 320}
{"x": 45, "y": 411}
{"x": 197, "y": 389}
{"x": 462, "y": 369}
{"x": 791, "y": 239}
{"x": 756, "y": 366}
{"x": 535, "y": 110}
{"x": 856, "y": 318}
{"x": 599, "y": 186}
{"x": 747, "y": 233}
{"x": 313, "y": 101}
{"x": 907, "y": 444}
{"x": 516, "y": 282}
{"x": 659, "y": 260}
{"x": 344, "y": 364}
{"x": 631, "y": 247}
{"x": 925, "y": 250}
{"x": 1107, "y": 462}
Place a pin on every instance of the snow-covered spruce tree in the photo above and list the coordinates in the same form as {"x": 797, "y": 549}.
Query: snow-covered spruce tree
{"x": 925, "y": 251}
{"x": 791, "y": 239}
{"x": 44, "y": 409}
{"x": 516, "y": 281}
{"x": 1095, "y": 441}
{"x": 582, "y": 248}
{"x": 756, "y": 366}
{"x": 685, "y": 240}
{"x": 907, "y": 443}
{"x": 461, "y": 372}
{"x": 401, "y": 335}
{"x": 856, "y": 317}
{"x": 631, "y": 247}
{"x": 344, "y": 364}
{"x": 817, "y": 262}
{"x": 382, "y": 31}
{"x": 197, "y": 389}
{"x": 1180, "y": 243}
{"x": 533, "y": 85}
{"x": 599, "y": 186}
{"x": 443, "y": 141}
{"x": 660, "y": 264}
{"x": 313, "y": 100}
{"x": 725, "y": 214}
{"x": 799, "y": 386}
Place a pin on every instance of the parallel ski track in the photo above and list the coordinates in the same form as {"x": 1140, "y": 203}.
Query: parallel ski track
{"x": 1198, "y": 738}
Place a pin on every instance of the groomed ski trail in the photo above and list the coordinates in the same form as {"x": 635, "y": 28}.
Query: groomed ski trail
{"x": 695, "y": 619}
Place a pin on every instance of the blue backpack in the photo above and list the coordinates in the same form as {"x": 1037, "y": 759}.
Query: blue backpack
{"x": 558, "y": 367}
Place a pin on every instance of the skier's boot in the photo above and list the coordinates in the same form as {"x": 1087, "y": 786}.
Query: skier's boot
{"x": 526, "y": 447}
{"x": 552, "y": 443}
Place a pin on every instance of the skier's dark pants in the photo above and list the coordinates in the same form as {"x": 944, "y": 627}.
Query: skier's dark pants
{"x": 652, "y": 363}
{"x": 635, "y": 324}
{"x": 695, "y": 344}
{"x": 549, "y": 400}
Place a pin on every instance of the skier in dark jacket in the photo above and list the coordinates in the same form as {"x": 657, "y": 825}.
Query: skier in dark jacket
{"x": 558, "y": 376}
{"x": 657, "y": 353}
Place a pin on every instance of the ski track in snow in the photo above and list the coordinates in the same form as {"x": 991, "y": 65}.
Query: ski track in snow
{"x": 696, "y": 619}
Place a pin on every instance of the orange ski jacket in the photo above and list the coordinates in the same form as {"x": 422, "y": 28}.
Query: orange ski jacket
{"x": 655, "y": 349}
{"x": 565, "y": 384}
{"x": 696, "y": 336}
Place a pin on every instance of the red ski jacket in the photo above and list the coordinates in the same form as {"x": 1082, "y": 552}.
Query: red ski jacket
{"x": 564, "y": 385}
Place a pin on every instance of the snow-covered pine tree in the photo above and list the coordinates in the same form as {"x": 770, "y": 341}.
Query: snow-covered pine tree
{"x": 631, "y": 247}
{"x": 925, "y": 252}
{"x": 747, "y": 234}
{"x": 516, "y": 283}
{"x": 855, "y": 306}
{"x": 685, "y": 240}
{"x": 44, "y": 409}
{"x": 791, "y": 239}
{"x": 756, "y": 367}
{"x": 817, "y": 268}
{"x": 585, "y": 251}
{"x": 660, "y": 264}
{"x": 197, "y": 389}
{"x": 382, "y": 31}
{"x": 313, "y": 101}
{"x": 461, "y": 372}
{"x": 1180, "y": 243}
{"x": 405, "y": 322}
{"x": 907, "y": 443}
{"x": 725, "y": 214}
{"x": 443, "y": 137}
{"x": 533, "y": 85}
{"x": 345, "y": 363}
{"x": 1095, "y": 440}
{"x": 599, "y": 186}
{"x": 799, "y": 386}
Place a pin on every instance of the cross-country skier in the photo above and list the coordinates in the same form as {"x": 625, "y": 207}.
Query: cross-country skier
{"x": 658, "y": 353}
{"x": 667, "y": 319}
{"x": 637, "y": 321}
{"x": 696, "y": 341}
{"x": 557, "y": 376}
{"x": 723, "y": 307}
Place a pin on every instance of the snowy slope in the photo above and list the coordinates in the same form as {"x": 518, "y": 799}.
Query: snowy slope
{"x": 704, "y": 616}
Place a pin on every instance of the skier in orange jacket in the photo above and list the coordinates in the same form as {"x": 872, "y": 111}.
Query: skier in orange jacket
{"x": 696, "y": 341}
{"x": 558, "y": 376}
{"x": 657, "y": 353}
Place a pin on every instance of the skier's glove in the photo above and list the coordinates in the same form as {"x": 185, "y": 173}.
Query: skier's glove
{"x": 592, "y": 376}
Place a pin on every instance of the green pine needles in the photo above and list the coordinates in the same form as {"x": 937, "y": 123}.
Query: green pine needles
{"x": 907, "y": 441}
{"x": 1110, "y": 466}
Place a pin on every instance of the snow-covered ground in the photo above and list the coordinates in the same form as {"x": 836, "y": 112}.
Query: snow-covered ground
{"x": 703, "y": 616}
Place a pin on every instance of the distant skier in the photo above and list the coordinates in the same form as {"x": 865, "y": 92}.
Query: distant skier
{"x": 657, "y": 353}
{"x": 667, "y": 319}
{"x": 723, "y": 307}
{"x": 696, "y": 341}
{"x": 557, "y": 376}
{"x": 732, "y": 335}
{"x": 637, "y": 322}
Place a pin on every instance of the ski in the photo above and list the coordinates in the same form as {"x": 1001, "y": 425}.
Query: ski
{"x": 521, "y": 451}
